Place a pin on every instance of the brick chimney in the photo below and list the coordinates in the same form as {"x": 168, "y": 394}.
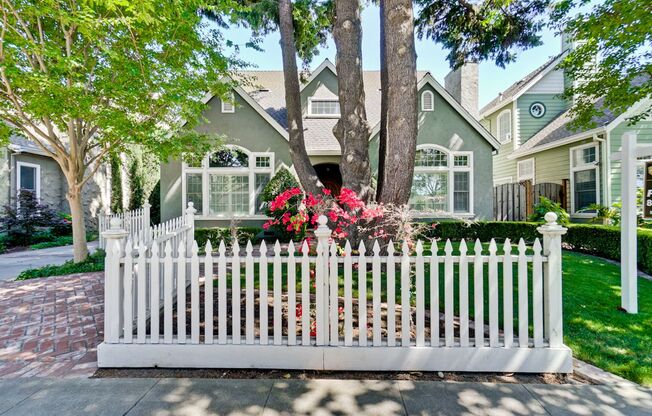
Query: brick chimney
{"x": 462, "y": 84}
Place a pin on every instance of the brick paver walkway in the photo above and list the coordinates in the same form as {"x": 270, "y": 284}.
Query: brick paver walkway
{"x": 52, "y": 326}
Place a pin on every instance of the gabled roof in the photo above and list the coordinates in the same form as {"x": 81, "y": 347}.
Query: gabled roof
{"x": 265, "y": 92}
{"x": 518, "y": 88}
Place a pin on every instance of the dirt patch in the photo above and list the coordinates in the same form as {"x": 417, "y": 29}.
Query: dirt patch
{"x": 510, "y": 378}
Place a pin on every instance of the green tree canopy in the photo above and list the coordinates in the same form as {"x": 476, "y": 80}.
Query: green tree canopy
{"x": 81, "y": 78}
{"x": 612, "y": 57}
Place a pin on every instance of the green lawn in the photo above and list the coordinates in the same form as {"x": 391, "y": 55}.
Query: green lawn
{"x": 596, "y": 329}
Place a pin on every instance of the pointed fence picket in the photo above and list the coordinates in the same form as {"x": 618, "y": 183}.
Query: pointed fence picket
{"x": 336, "y": 308}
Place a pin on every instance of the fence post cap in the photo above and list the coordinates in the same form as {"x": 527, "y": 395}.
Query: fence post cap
{"x": 322, "y": 230}
{"x": 191, "y": 208}
{"x": 551, "y": 226}
{"x": 115, "y": 230}
{"x": 147, "y": 204}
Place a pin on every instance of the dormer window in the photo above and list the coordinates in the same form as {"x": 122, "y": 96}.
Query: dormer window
{"x": 427, "y": 101}
{"x": 321, "y": 107}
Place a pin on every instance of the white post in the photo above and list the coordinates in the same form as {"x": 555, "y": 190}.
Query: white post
{"x": 628, "y": 243}
{"x": 552, "y": 233}
{"x": 114, "y": 238}
{"x": 190, "y": 222}
{"x": 146, "y": 223}
{"x": 322, "y": 233}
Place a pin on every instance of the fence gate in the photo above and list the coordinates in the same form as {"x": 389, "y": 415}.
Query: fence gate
{"x": 465, "y": 307}
{"x": 516, "y": 201}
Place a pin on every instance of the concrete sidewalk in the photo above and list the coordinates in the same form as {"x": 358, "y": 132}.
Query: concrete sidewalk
{"x": 11, "y": 264}
{"x": 198, "y": 397}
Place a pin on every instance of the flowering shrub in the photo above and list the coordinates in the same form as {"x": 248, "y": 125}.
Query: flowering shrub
{"x": 295, "y": 212}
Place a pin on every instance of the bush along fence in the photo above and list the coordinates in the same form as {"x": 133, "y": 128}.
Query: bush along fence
{"x": 336, "y": 309}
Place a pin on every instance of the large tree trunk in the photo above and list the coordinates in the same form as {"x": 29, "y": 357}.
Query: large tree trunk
{"x": 352, "y": 129}
{"x": 74, "y": 197}
{"x": 400, "y": 102}
{"x": 305, "y": 171}
{"x": 382, "y": 135}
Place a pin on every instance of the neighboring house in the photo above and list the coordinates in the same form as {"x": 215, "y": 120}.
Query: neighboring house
{"x": 24, "y": 165}
{"x": 531, "y": 122}
{"x": 454, "y": 157}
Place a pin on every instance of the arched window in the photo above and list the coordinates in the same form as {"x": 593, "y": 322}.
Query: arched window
{"x": 228, "y": 183}
{"x": 505, "y": 126}
{"x": 427, "y": 101}
{"x": 442, "y": 181}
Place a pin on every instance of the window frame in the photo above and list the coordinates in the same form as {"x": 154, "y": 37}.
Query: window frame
{"x": 432, "y": 100}
{"x": 450, "y": 169}
{"x": 231, "y": 103}
{"x": 595, "y": 165}
{"x": 521, "y": 178}
{"x": 37, "y": 183}
{"x": 511, "y": 126}
{"x": 206, "y": 171}
{"x": 310, "y": 114}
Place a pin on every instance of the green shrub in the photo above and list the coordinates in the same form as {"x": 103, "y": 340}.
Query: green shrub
{"x": 155, "y": 202}
{"x": 25, "y": 217}
{"x": 598, "y": 240}
{"x": 544, "y": 206}
{"x": 484, "y": 230}
{"x": 94, "y": 263}
{"x": 3, "y": 243}
{"x": 282, "y": 181}
{"x": 116, "y": 183}
{"x": 137, "y": 182}
{"x": 65, "y": 240}
{"x": 217, "y": 234}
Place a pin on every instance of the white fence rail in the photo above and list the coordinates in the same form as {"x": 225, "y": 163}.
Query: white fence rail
{"x": 135, "y": 222}
{"x": 456, "y": 309}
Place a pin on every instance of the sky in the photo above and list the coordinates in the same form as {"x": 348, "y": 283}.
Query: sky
{"x": 430, "y": 56}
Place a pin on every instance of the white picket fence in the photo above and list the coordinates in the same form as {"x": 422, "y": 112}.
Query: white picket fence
{"x": 136, "y": 222}
{"x": 444, "y": 310}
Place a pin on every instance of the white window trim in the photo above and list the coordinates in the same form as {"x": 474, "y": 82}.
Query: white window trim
{"x": 38, "y": 177}
{"x": 526, "y": 178}
{"x": 423, "y": 101}
{"x": 450, "y": 169}
{"x": 311, "y": 115}
{"x": 504, "y": 180}
{"x": 230, "y": 101}
{"x": 205, "y": 171}
{"x": 585, "y": 166}
{"x": 511, "y": 126}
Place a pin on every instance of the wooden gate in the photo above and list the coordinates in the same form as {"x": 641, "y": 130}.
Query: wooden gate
{"x": 516, "y": 201}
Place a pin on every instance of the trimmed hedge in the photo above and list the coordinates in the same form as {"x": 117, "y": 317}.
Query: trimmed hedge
{"x": 217, "y": 234}
{"x": 598, "y": 240}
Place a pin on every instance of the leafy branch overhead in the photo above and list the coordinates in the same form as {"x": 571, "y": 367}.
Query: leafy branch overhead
{"x": 82, "y": 78}
{"x": 474, "y": 31}
{"x": 618, "y": 33}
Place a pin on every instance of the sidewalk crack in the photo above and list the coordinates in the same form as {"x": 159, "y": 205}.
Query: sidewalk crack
{"x": 537, "y": 399}
{"x": 141, "y": 397}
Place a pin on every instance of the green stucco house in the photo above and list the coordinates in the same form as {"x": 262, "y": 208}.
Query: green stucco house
{"x": 531, "y": 122}
{"x": 454, "y": 160}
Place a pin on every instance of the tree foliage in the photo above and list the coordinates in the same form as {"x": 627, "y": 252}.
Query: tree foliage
{"x": 82, "y": 78}
{"x": 474, "y": 31}
{"x": 619, "y": 34}
{"x": 137, "y": 184}
{"x": 116, "y": 182}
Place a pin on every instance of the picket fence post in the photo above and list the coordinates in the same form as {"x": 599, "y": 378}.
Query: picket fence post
{"x": 322, "y": 233}
{"x": 147, "y": 234}
{"x": 114, "y": 238}
{"x": 552, "y": 275}
{"x": 190, "y": 222}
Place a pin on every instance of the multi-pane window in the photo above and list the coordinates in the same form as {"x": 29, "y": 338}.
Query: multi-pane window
{"x": 227, "y": 104}
{"x": 228, "y": 183}
{"x": 442, "y": 181}
{"x": 194, "y": 192}
{"x": 505, "y": 126}
{"x": 323, "y": 107}
{"x": 525, "y": 170}
{"x": 584, "y": 177}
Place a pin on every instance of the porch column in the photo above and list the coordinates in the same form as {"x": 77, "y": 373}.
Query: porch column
{"x": 628, "y": 238}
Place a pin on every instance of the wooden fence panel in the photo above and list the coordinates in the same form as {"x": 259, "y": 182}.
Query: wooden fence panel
{"x": 516, "y": 201}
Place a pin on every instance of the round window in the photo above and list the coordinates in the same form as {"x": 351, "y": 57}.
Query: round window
{"x": 537, "y": 109}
